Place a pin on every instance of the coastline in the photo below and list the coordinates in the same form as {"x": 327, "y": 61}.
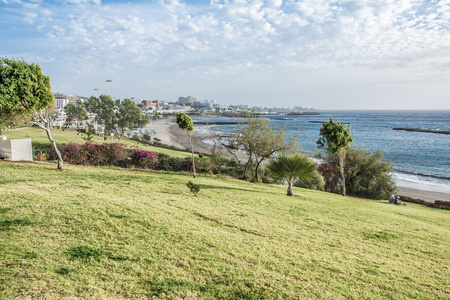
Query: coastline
{"x": 170, "y": 134}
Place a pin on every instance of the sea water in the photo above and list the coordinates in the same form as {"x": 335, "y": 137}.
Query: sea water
{"x": 420, "y": 160}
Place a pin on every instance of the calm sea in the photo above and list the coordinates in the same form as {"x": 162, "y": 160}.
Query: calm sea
{"x": 420, "y": 160}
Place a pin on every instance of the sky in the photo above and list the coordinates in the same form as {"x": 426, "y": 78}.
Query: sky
{"x": 343, "y": 54}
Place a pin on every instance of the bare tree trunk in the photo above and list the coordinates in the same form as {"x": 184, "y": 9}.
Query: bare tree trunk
{"x": 43, "y": 120}
{"x": 258, "y": 163}
{"x": 193, "y": 160}
{"x": 341, "y": 162}
{"x": 290, "y": 191}
{"x": 246, "y": 166}
{"x": 55, "y": 148}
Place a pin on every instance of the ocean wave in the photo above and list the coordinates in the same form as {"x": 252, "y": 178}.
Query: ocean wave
{"x": 422, "y": 174}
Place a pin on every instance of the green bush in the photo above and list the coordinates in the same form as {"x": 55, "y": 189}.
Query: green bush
{"x": 41, "y": 147}
{"x": 316, "y": 183}
{"x": 168, "y": 163}
{"x": 194, "y": 188}
{"x": 367, "y": 175}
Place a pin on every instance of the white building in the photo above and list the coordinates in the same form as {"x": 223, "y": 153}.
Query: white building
{"x": 60, "y": 100}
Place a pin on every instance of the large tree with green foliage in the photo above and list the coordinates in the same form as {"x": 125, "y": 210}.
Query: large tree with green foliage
{"x": 185, "y": 122}
{"x": 257, "y": 139}
{"x": 368, "y": 175}
{"x": 336, "y": 139}
{"x": 103, "y": 106}
{"x": 291, "y": 168}
{"x": 130, "y": 115}
{"x": 75, "y": 112}
{"x": 26, "y": 92}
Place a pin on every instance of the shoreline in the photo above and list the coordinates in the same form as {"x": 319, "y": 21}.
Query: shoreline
{"x": 170, "y": 134}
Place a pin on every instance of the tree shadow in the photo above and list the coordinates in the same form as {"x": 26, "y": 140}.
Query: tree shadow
{"x": 214, "y": 187}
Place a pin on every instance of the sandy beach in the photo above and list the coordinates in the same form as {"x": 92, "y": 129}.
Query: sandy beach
{"x": 170, "y": 134}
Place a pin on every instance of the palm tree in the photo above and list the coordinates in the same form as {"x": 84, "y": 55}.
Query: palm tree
{"x": 291, "y": 168}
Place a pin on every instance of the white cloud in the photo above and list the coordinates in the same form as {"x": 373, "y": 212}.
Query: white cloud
{"x": 228, "y": 39}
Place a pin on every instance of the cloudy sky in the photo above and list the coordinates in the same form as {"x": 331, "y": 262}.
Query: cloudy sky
{"x": 344, "y": 54}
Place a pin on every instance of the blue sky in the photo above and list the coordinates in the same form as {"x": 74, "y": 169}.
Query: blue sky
{"x": 362, "y": 54}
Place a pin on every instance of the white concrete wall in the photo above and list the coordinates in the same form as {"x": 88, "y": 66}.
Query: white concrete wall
{"x": 16, "y": 149}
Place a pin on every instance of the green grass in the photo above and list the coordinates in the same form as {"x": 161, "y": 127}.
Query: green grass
{"x": 113, "y": 234}
{"x": 70, "y": 136}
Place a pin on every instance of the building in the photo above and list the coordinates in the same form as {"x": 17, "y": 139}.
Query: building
{"x": 205, "y": 104}
{"x": 60, "y": 100}
{"x": 186, "y": 100}
{"x": 150, "y": 103}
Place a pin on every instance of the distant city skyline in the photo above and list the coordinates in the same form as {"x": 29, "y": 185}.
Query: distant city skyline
{"x": 324, "y": 54}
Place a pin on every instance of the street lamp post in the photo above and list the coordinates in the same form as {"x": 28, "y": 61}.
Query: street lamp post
{"x": 96, "y": 92}
{"x": 109, "y": 86}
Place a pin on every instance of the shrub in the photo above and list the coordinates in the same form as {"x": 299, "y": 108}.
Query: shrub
{"x": 89, "y": 136}
{"x": 367, "y": 175}
{"x": 203, "y": 165}
{"x": 41, "y": 147}
{"x": 107, "y": 154}
{"x": 146, "y": 137}
{"x": 194, "y": 188}
{"x": 186, "y": 164}
{"x": 168, "y": 163}
{"x": 316, "y": 183}
{"x": 40, "y": 156}
{"x": 144, "y": 159}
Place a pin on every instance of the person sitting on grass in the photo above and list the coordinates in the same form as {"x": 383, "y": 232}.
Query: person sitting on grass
{"x": 398, "y": 201}
{"x": 391, "y": 198}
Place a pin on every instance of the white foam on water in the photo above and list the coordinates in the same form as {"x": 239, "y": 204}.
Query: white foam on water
{"x": 424, "y": 183}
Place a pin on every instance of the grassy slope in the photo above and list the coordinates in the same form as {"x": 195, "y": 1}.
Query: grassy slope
{"x": 67, "y": 136}
{"x": 236, "y": 240}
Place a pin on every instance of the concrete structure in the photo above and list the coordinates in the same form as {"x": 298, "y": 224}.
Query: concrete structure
{"x": 60, "y": 100}
{"x": 205, "y": 104}
{"x": 150, "y": 103}
{"x": 186, "y": 100}
{"x": 16, "y": 149}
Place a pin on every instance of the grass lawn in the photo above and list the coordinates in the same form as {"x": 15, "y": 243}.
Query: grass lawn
{"x": 111, "y": 234}
{"x": 70, "y": 136}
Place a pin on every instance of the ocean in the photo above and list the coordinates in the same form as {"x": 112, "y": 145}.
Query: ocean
{"x": 420, "y": 160}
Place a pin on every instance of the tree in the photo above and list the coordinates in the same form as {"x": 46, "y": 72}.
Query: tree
{"x": 185, "y": 122}
{"x": 104, "y": 108}
{"x": 257, "y": 138}
{"x": 336, "y": 139}
{"x": 44, "y": 119}
{"x": 25, "y": 91}
{"x": 128, "y": 115}
{"x": 75, "y": 112}
{"x": 291, "y": 168}
{"x": 10, "y": 121}
{"x": 368, "y": 175}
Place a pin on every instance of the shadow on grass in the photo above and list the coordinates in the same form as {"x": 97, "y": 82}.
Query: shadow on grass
{"x": 10, "y": 224}
{"x": 217, "y": 290}
{"x": 119, "y": 216}
{"x": 380, "y": 235}
{"x": 215, "y": 187}
{"x": 65, "y": 271}
{"x": 84, "y": 253}
{"x": 227, "y": 225}
{"x": 5, "y": 181}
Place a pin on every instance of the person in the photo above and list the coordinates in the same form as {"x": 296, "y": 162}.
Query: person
{"x": 391, "y": 198}
{"x": 398, "y": 201}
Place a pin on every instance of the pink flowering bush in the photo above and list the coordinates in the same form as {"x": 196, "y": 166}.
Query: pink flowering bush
{"x": 144, "y": 159}
{"x": 92, "y": 154}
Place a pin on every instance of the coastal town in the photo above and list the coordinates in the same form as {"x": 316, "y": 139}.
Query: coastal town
{"x": 189, "y": 105}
